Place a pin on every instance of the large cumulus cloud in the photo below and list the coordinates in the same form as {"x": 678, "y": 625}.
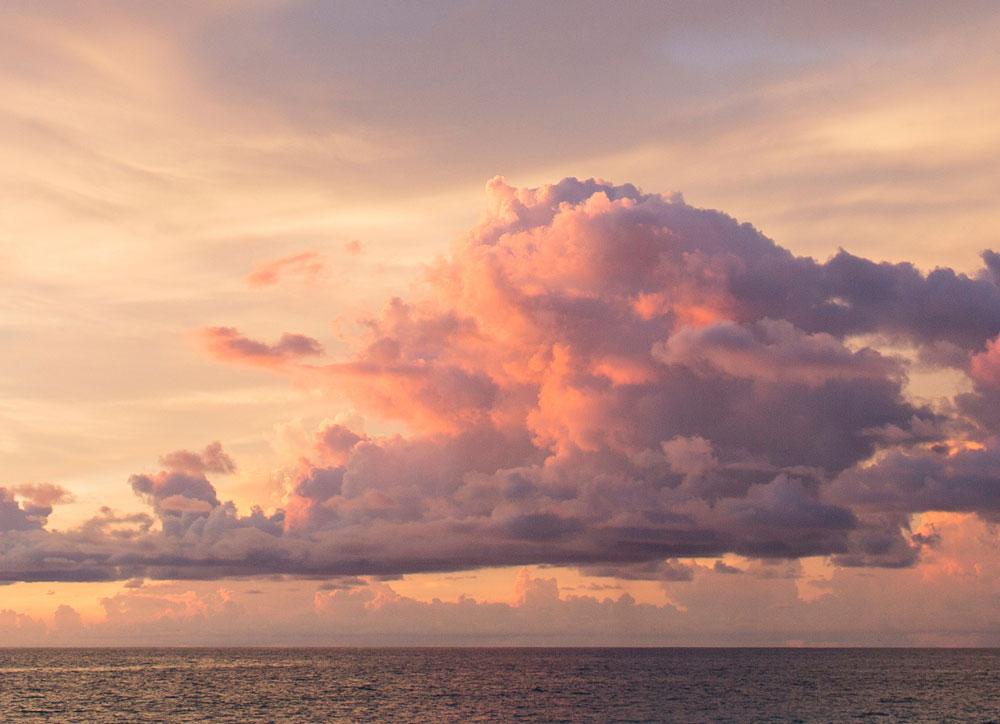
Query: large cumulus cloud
{"x": 598, "y": 376}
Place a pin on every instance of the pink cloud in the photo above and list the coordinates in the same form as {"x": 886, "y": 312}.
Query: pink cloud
{"x": 226, "y": 343}
{"x": 598, "y": 377}
{"x": 984, "y": 367}
{"x": 306, "y": 265}
{"x": 43, "y": 494}
{"x": 334, "y": 443}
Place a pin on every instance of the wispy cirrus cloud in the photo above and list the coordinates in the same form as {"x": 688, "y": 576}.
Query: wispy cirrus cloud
{"x": 306, "y": 266}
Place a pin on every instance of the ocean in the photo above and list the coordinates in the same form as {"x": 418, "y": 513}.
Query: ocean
{"x": 460, "y": 685}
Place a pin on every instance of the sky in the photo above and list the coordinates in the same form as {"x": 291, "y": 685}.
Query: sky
{"x": 485, "y": 323}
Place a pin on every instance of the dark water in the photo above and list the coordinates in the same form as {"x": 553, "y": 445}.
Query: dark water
{"x": 310, "y": 685}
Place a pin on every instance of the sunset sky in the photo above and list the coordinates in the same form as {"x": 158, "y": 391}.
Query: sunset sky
{"x": 484, "y": 323}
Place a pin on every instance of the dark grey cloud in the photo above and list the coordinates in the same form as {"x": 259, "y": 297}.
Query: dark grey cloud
{"x": 906, "y": 481}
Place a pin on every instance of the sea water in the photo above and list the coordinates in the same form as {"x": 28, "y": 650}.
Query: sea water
{"x": 437, "y": 684}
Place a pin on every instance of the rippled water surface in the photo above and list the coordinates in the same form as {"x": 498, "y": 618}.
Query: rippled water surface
{"x": 308, "y": 685}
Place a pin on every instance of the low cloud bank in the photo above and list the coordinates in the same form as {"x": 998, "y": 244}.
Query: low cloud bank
{"x": 949, "y": 599}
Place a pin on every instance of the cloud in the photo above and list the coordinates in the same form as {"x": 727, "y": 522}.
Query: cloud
{"x": 306, "y": 265}
{"x": 905, "y": 480}
{"x": 334, "y": 443}
{"x": 597, "y": 377}
{"x": 15, "y": 517}
{"x": 43, "y": 494}
{"x": 949, "y": 598}
{"x": 173, "y": 485}
{"x": 985, "y": 366}
{"x": 226, "y": 343}
{"x": 666, "y": 570}
{"x": 20, "y": 629}
{"x": 211, "y": 460}
{"x": 774, "y": 351}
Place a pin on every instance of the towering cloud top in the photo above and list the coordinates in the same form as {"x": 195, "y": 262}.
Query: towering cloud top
{"x": 598, "y": 376}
